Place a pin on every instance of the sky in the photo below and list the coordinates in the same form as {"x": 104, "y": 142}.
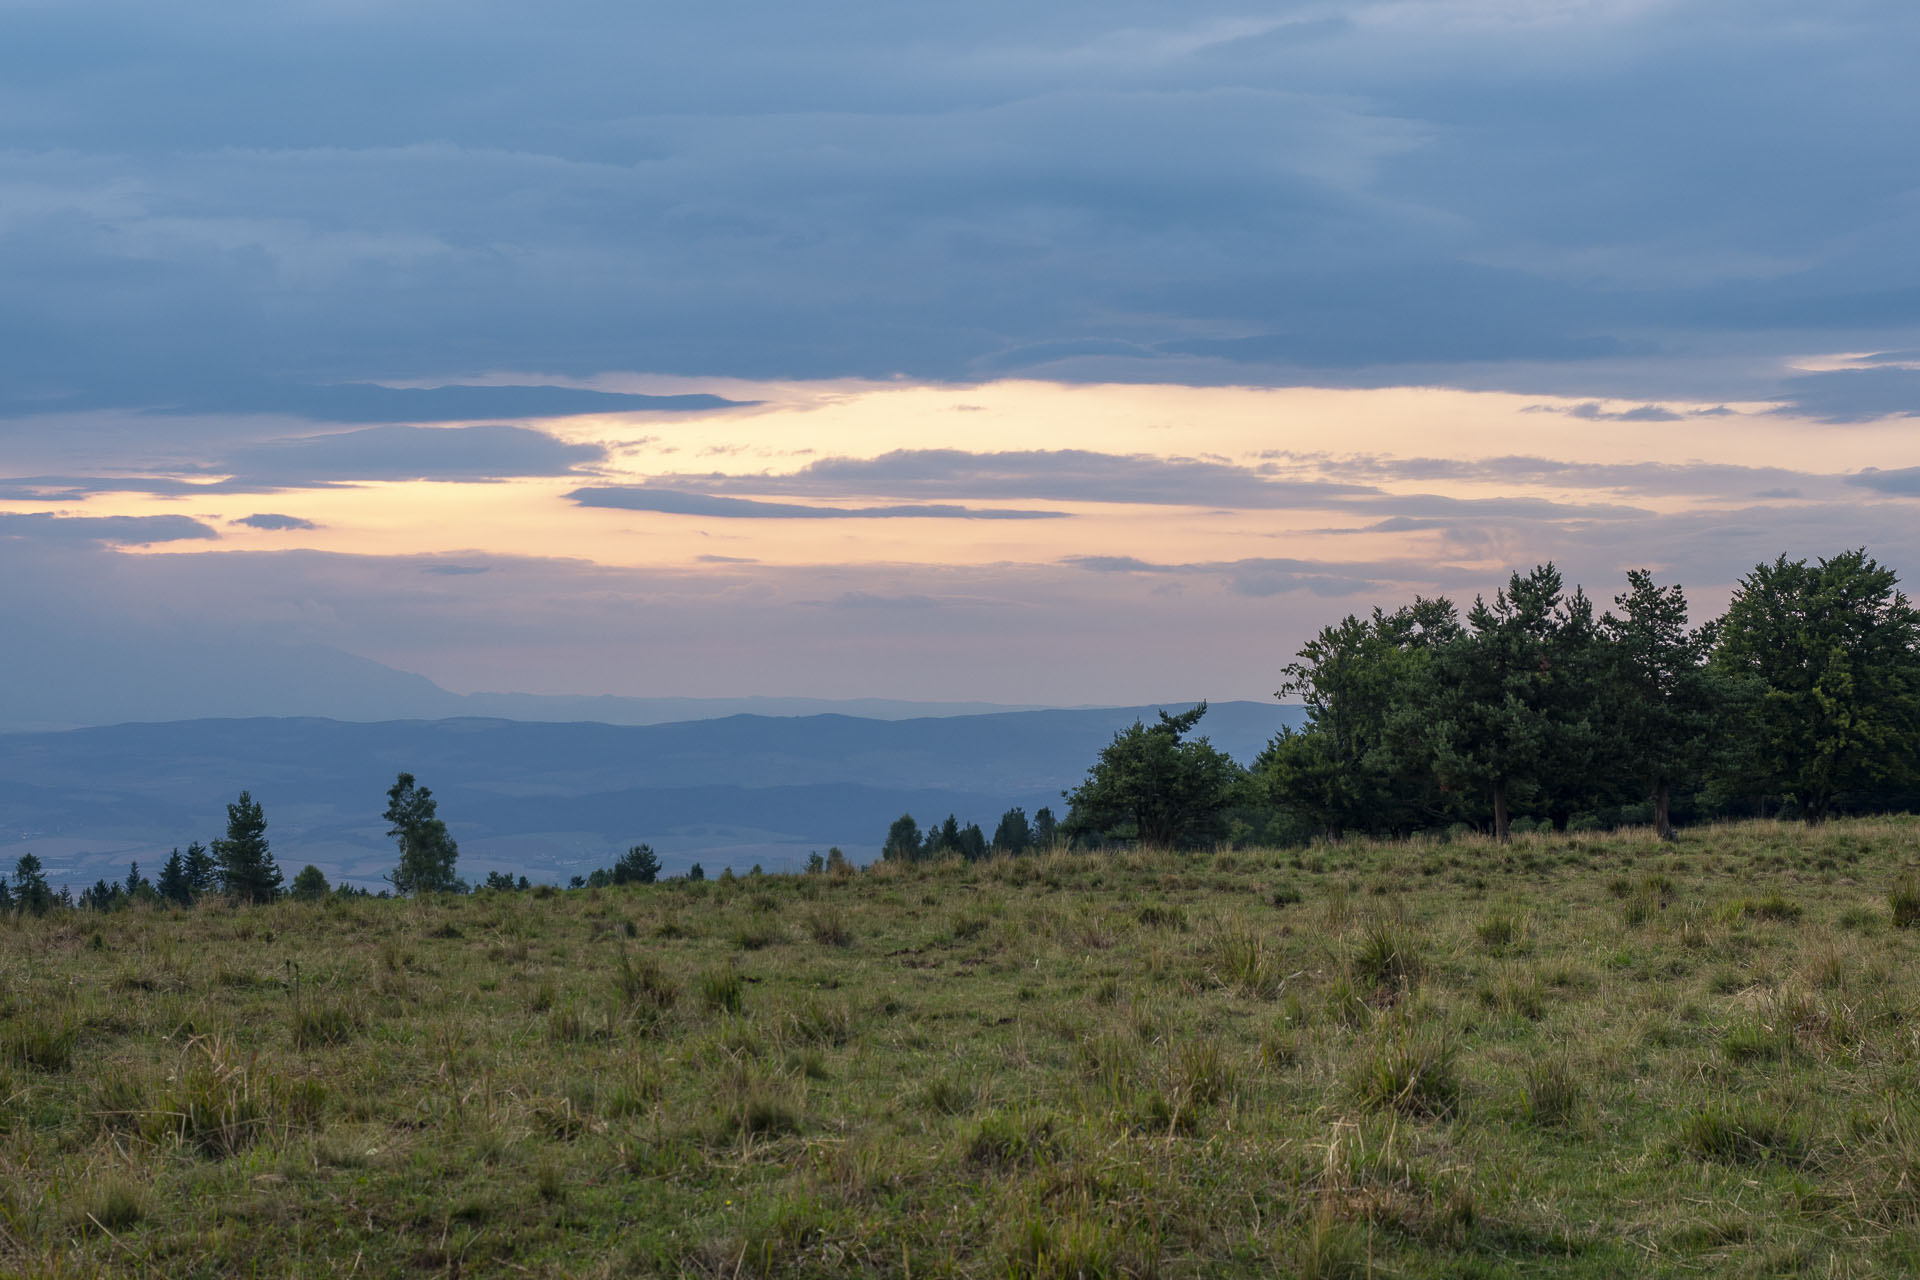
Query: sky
{"x": 1098, "y": 354}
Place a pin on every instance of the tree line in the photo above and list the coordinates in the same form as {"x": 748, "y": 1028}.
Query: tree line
{"x": 1801, "y": 701}
{"x": 241, "y": 868}
{"x": 1015, "y": 834}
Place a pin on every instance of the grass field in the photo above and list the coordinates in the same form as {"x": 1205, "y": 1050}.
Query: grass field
{"x": 1592, "y": 1055}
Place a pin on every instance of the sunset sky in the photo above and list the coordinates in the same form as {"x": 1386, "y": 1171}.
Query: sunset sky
{"x": 1097, "y": 355}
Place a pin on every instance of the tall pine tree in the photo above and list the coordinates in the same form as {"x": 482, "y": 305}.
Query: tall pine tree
{"x": 248, "y": 872}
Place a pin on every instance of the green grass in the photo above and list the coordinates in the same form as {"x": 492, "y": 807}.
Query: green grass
{"x": 1588, "y": 1055}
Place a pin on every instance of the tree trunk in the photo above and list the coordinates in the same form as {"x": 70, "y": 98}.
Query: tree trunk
{"x": 1813, "y": 809}
{"x": 1502, "y": 829}
{"x": 1662, "y": 821}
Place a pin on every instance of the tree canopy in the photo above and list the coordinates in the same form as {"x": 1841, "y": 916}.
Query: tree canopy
{"x": 1151, "y": 786}
{"x": 427, "y": 852}
{"x": 247, "y": 870}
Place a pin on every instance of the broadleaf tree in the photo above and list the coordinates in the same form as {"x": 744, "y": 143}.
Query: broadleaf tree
{"x": 1835, "y": 648}
{"x": 1151, "y": 786}
{"x": 427, "y": 852}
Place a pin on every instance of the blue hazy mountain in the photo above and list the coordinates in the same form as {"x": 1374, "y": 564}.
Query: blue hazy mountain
{"x": 553, "y": 799}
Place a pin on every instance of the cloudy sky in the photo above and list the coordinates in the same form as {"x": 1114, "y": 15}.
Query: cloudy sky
{"x": 1064, "y": 353}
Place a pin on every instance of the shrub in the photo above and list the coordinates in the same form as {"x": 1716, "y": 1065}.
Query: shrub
{"x": 1331, "y": 1250}
{"x": 1246, "y": 961}
{"x": 720, "y": 990}
{"x": 642, "y": 984}
{"x": 212, "y": 1104}
{"x": 1745, "y": 1136}
{"x": 1775, "y": 906}
{"x": 1048, "y": 1247}
{"x": 818, "y": 1022}
{"x": 1162, "y": 916}
{"x": 1904, "y": 899}
{"x": 42, "y": 1040}
{"x": 1003, "y": 1141}
{"x": 112, "y": 1204}
{"x": 1552, "y": 1093}
{"x": 758, "y": 934}
{"x": 1411, "y": 1072}
{"x": 316, "y": 1024}
{"x": 1500, "y": 931}
{"x": 829, "y": 928}
{"x": 1201, "y": 1071}
{"x": 1386, "y": 958}
{"x": 946, "y": 1097}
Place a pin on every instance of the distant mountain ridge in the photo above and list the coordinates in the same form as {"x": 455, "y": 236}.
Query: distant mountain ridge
{"x": 554, "y": 799}
{"x": 66, "y": 673}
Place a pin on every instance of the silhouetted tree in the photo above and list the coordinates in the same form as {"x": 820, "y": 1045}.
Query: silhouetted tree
{"x": 1664, "y": 703}
{"x": 31, "y": 893}
{"x": 696, "y": 872}
{"x": 1836, "y": 647}
{"x": 903, "y": 840}
{"x": 1013, "y": 835}
{"x": 639, "y": 865}
{"x": 1509, "y": 707}
{"x": 173, "y": 884}
{"x": 203, "y": 871}
{"x": 1150, "y": 786}
{"x": 248, "y": 872}
{"x": 1355, "y": 766}
{"x": 427, "y": 852}
{"x": 837, "y": 864}
{"x": 1046, "y": 829}
{"x": 310, "y": 885}
{"x": 815, "y": 863}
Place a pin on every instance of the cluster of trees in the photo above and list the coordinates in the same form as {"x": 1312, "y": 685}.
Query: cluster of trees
{"x": 1802, "y": 700}
{"x": 240, "y": 866}
{"x": 1015, "y": 834}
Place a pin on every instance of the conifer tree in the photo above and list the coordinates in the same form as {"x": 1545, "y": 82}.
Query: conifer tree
{"x": 31, "y": 892}
{"x": 639, "y": 865}
{"x": 173, "y": 885}
{"x": 310, "y": 885}
{"x": 203, "y": 870}
{"x": 248, "y": 872}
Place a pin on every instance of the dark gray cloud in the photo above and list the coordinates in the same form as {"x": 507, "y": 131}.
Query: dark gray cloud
{"x": 1689, "y": 478}
{"x": 489, "y": 452}
{"x": 679, "y": 502}
{"x": 275, "y": 522}
{"x": 1272, "y": 576}
{"x": 350, "y": 402}
{"x": 1079, "y": 475}
{"x": 110, "y": 530}
{"x": 1051, "y": 475}
{"x": 197, "y": 214}
{"x": 1855, "y": 395}
{"x": 1901, "y": 482}
{"x": 1592, "y": 412}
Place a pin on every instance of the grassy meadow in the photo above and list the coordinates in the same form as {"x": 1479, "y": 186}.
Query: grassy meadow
{"x": 1587, "y": 1055}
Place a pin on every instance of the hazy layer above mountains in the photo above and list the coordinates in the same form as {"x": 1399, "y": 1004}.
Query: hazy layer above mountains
{"x": 553, "y": 799}
{"x": 56, "y": 676}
